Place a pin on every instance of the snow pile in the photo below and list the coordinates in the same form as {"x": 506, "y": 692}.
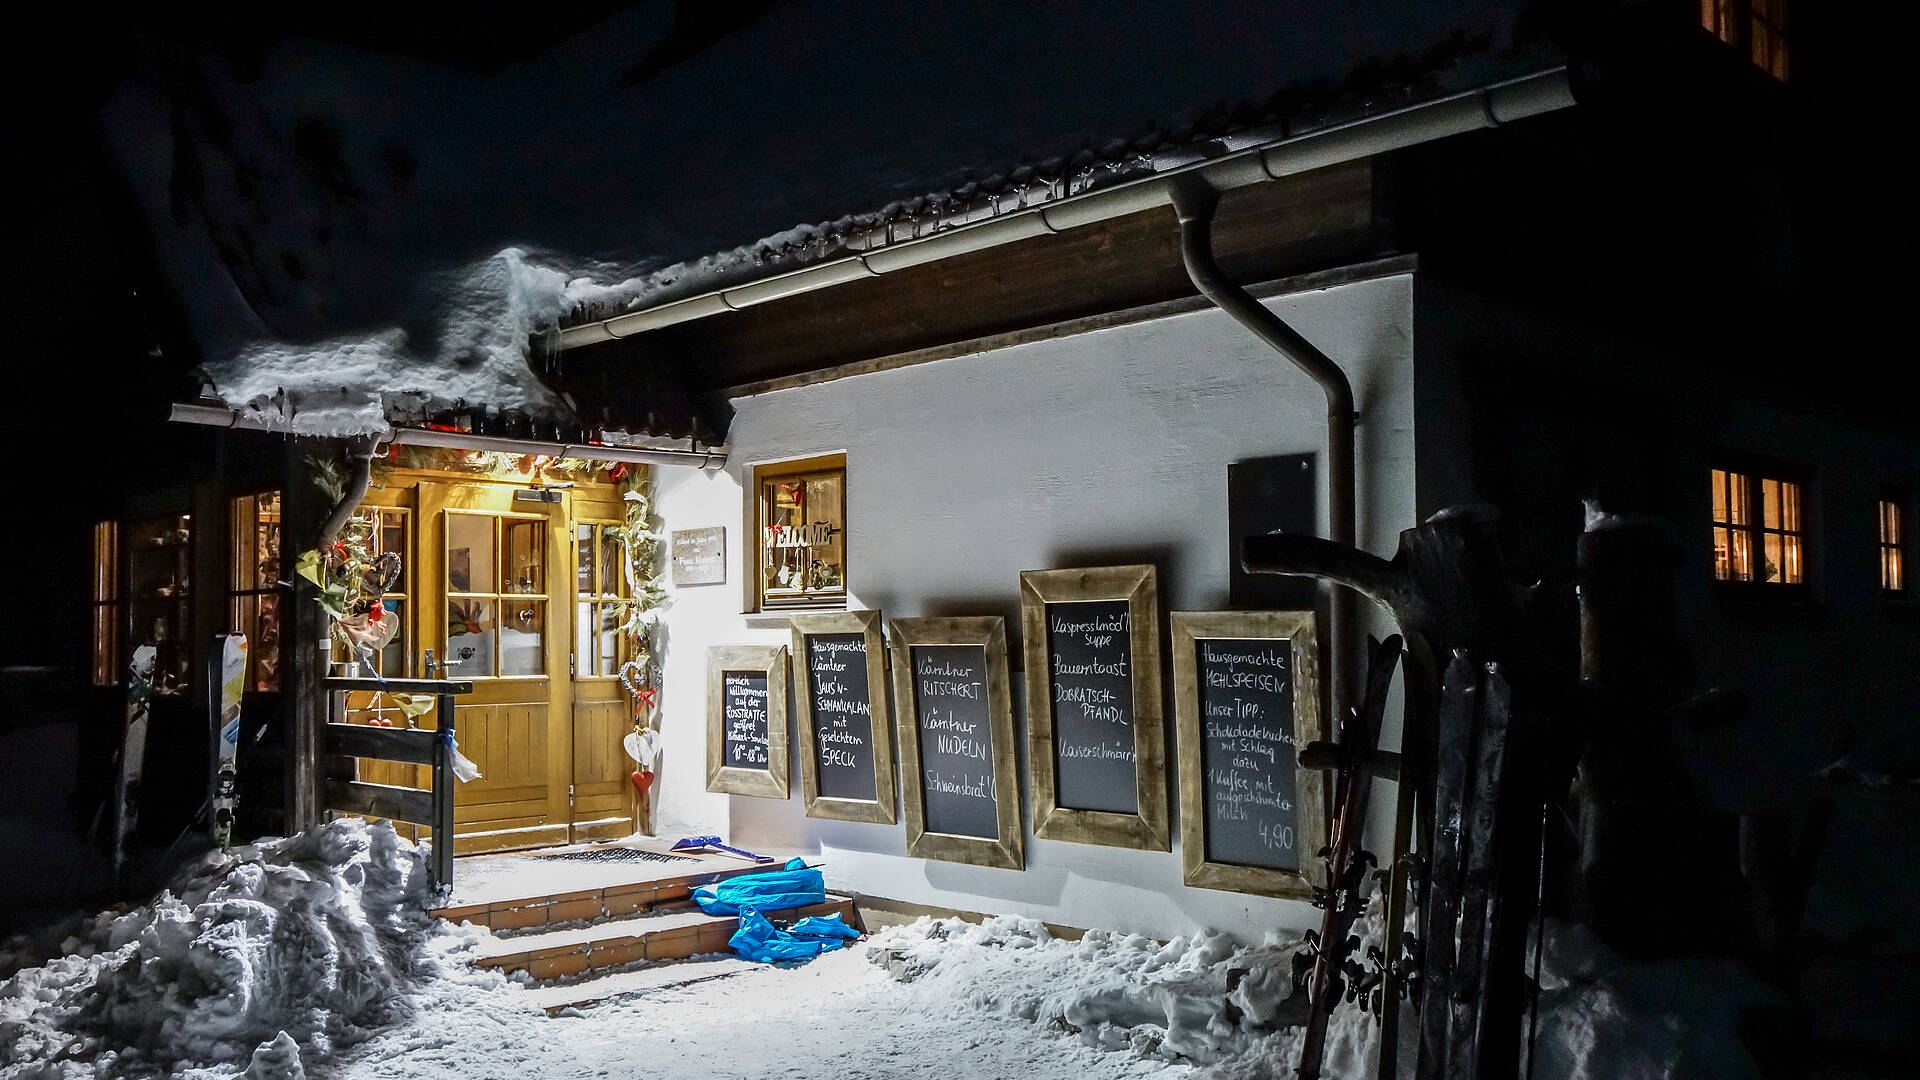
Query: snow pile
{"x": 1232, "y": 1011}
{"x": 1603, "y": 1017}
{"x": 1202, "y": 999}
{"x": 305, "y": 942}
{"x": 472, "y": 351}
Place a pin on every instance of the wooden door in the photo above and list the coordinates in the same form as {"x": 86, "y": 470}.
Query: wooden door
{"x": 604, "y": 798}
{"x": 495, "y": 580}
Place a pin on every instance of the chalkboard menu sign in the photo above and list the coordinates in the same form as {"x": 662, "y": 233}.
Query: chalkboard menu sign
{"x": 956, "y": 740}
{"x": 1095, "y": 742}
{"x": 1247, "y": 697}
{"x": 743, "y": 701}
{"x": 846, "y": 748}
{"x": 1247, "y": 751}
{"x": 747, "y": 720}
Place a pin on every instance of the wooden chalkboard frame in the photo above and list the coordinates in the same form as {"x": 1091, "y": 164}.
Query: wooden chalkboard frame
{"x": 1146, "y": 828}
{"x": 1189, "y": 628}
{"x": 768, "y": 783}
{"x": 880, "y": 810}
{"x": 1008, "y": 852}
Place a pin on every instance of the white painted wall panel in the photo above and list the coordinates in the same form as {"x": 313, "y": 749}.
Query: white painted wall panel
{"x": 1103, "y": 447}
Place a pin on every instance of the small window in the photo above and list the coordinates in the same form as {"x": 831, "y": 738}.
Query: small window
{"x": 800, "y": 533}
{"x": 158, "y": 553}
{"x": 392, "y": 532}
{"x": 1759, "y": 530}
{"x": 600, "y": 568}
{"x": 386, "y": 529}
{"x": 109, "y": 600}
{"x": 1757, "y": 28}
{"x": 496, "y": 595}
{"x": 1893, "y": 548}
{"x": 257, "y": 600}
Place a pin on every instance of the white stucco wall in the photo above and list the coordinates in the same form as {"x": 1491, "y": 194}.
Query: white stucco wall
{"x": 1106, "y": 447}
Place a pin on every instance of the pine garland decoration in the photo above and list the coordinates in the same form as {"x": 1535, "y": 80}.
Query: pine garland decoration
{"x": 641, "y": 537}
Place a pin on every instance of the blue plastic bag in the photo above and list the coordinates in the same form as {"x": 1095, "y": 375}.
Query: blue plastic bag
{"x": 776, "y": 890}
{"x": 757, "y": 939}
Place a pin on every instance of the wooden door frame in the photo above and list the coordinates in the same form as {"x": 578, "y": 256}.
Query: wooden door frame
{"x": 584, "y": 508}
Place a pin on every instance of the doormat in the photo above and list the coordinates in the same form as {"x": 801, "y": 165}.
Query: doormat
{"x": 619, "y": 854}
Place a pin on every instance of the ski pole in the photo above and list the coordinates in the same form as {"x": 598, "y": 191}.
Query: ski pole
{"x": 1539, "y": 933}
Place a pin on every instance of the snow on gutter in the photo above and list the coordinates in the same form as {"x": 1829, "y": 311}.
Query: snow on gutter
{"x": 221, "y": 416}
{"x": 1485, "y": 107}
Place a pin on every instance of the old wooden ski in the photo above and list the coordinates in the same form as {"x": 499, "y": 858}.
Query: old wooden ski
{"x": 1359, "y": 741}
{"x": 1459, "y": 701}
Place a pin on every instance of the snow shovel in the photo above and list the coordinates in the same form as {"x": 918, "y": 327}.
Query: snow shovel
{"x": 699, "y": 843}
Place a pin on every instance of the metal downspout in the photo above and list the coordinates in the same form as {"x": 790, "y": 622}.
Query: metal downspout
{"x": 1194, "y": 201}
{"x": 358, "y": 481}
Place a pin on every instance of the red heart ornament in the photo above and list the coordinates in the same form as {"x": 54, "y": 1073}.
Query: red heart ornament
{"x": 642, "y": 780}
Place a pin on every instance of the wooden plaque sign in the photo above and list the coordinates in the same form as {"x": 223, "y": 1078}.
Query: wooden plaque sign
{"x": 846, "y": 745}
{"x": 1095, "y": 742}
{"x": 747, "y": 720}
{"x": 1246, "y": 696}
{"x": 956, "y": 741}
{"x": 699, "y": 556}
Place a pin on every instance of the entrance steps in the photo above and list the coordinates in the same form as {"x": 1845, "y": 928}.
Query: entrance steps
{"x": 625, "y": 927}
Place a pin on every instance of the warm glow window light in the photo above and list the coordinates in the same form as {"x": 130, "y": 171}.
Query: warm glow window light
{"x": 496, "y": 577}
{"x": 801, "y": 533}
{"x": 1893, "y": 567}
{"x": 389, "y": 531}
{"x": 1755, "y": 27}
{"x": 1759, "y": 534}
{"x": 107, "y": 600}
{"x": 258, "y": 600}
{"x": 600, "y": 560}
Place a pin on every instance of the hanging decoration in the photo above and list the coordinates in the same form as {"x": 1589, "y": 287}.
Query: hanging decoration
{"x": 639, "y": 615}
{"x": 349, "y": 576}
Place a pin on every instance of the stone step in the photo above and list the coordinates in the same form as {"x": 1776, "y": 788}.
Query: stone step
{"x": 650, "y": 938}
{"x": 646, "y": 889}
{"x": 641, "y": 980}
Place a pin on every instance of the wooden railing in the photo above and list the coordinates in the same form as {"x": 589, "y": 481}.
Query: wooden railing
{"x": 433, "y": 806}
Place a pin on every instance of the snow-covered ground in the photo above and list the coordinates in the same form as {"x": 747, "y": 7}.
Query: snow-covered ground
{"x": 313, "y": 957}
{"x": 839, "y": 1016}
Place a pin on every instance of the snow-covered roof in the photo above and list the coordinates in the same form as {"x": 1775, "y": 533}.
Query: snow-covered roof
{"x": 353, "y": 233}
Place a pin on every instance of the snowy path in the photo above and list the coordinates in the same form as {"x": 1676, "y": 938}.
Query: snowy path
{"x": 839, "y": 1016}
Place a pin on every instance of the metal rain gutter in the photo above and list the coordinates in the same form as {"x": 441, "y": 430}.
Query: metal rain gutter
{"x": 217, "y": 416}
{"x": 1470, "y": 110}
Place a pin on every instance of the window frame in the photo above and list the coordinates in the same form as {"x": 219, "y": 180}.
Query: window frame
{"x": 500, "y": 519}
{"x": 1734, "y": 23}
{"x": 400, "y": 604}
{"x": 586, "y": 667}
{"x": 496, "y": 599}
{"x": 238, "y": 593}
{"x": 1758, "y": 473}
{"x": 1900, "y": 546}
{"x": 108, "y": 603}
{"x": 755, "y": 600}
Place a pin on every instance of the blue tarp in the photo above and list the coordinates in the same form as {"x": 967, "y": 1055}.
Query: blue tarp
{"x": 776, "y": 890}
{"x": 758, "y": 939}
